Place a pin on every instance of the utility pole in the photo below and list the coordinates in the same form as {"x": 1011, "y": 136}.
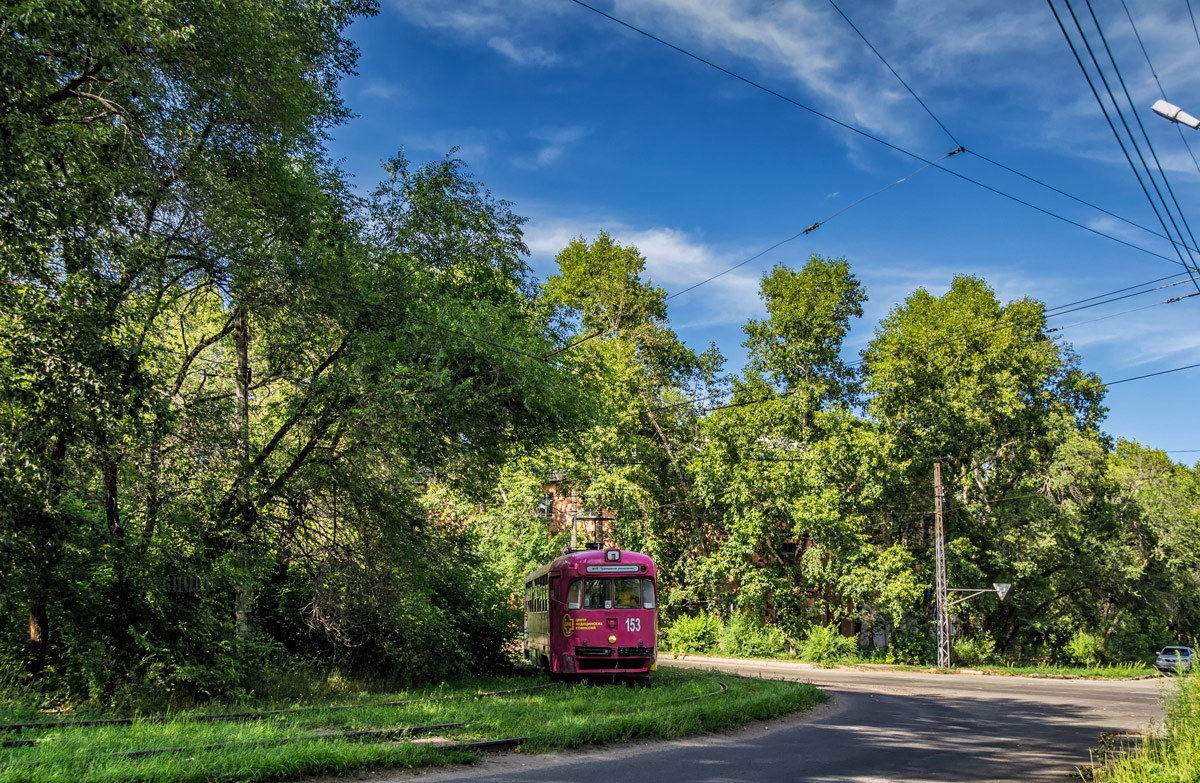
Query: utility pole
{"x": 939, "y": 534}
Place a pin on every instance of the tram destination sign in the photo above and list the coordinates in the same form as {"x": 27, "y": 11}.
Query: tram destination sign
{"x": 613, "y": 569}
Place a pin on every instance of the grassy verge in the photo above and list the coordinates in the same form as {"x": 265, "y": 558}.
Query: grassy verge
{"x": 1134, "y": 670}
{"x": 306, "y": 741}
{"x": 1172, "y": 759}
{"x": 1117, "y": 671}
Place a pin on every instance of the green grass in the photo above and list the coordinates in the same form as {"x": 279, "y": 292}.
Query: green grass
{"x": 1174, "y": 758}
{"x": 1134, "y": 670}
{"x": 285, "y": 746}
{"x": 1119, "y": 671}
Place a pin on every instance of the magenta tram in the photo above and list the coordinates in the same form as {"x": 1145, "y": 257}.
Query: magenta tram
{"x": 592, "y": 612}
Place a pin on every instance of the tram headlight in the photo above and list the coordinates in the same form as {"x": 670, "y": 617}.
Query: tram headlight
{"x": 612, "y": 639}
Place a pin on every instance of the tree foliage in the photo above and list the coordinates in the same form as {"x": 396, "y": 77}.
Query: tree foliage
{"x": 224, "y": 378}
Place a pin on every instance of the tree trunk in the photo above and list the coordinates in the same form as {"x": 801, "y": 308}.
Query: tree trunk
{"x": 112, "y": 511}
{"x": 241, "y": 341}
{"x": 39, "y": 630}
{"x": 39, "y": 615}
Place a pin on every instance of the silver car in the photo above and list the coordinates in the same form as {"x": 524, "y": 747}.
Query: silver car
{"x": 1175, "y": 659}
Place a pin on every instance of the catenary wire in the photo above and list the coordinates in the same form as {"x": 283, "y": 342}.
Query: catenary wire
{"x": 1108, "y": 118}
{"x": 996, "y": 163}
{"x": 872, "y": 137}
{"x": 899, "y": 78}
{"x": 1152, "y": 374}
{"x": 1149, "y": 144}
{"x": 1123, "y": 312}
{"x": 781, "y": 395}
{"x": 759, "y": 254}
{"x": 1100, "y": 102}
{"x": 1063, "y": 309}
{"x": 1192, "y": 15}
{"x": 1157, "y": 81}
{"x": 812, "y": 227}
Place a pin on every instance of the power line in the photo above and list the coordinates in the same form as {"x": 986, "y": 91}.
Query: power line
{"x": 998, "y": 327}
{"x": 1103, "y": 109}
{"x": 761, "y": 253}
{"x": 985, "y": 158}
{"x": 811, "y": 228}
{"x": 1123, "y": 312}
{"x": 1192, "y": 15}
{"x": 1152, "y": 375}
{"x": 1120, "y": 115}
{"x": 899, "y": 78}
{"x": 1149, "y": 144}
{"x": 867, "y": 135}
{"x": 1153, "y": 72}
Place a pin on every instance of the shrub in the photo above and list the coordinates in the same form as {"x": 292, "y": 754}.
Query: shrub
{"x": 825, "y": 646}
{"x": 912, "y": 645}
{"x": 973, "y": 650}
{"x": 698, "y": 634}
{"x": 1084, "y": 648}
{"x": 749, "y": 637}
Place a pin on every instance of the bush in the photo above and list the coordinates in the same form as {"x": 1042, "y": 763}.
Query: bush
{"x": 1084, "y": 648}
{"x": 914, "y": 646}
{"x": 698, "y": 634}
{"x": 973, "y": 650}
{"x": 751, "y": 638}
{"x": 825, "y": 646}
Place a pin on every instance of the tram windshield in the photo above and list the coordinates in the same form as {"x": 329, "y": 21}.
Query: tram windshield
{"x": 627, "y": 593}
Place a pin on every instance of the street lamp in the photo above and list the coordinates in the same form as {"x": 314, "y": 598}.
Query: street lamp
{"x": 1175, "y": 114}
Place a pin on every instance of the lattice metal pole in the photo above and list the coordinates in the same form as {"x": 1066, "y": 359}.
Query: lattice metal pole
{"x": 939, "y": 534}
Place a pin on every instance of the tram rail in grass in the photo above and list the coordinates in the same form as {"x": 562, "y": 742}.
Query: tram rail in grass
{"x": 234, "y": 716}
{"x": 534, "y": 718}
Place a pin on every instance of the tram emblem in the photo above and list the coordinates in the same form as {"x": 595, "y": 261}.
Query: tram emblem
{"x": 568, "y": 625}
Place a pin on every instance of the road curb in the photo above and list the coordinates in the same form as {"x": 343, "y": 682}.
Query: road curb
{"x": 786, "y": 665}
{"x": 754, "y": 661}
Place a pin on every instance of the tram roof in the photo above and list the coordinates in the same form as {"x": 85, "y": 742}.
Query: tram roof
{"x": 580, "y": 561}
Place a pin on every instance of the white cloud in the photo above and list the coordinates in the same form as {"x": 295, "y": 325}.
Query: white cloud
{"x": 675, "y": 260}
{"x": 384, "y": 90}
{"x": 555, "y": 144}
{"x": 473, "y": 145}
{"x": 515, "y": 29}
{"x": 522, "y": 55}
{"x": 949, "y": 51}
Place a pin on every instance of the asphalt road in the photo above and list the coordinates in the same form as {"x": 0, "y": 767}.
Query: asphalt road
{"x": 878, "y": 726}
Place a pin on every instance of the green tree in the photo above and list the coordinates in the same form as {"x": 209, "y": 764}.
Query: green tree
{"x": 1157, "y": 503}
{"x": 791, "y": 473}
{"x": 982, "y": 388}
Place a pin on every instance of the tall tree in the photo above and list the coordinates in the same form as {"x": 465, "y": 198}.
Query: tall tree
{"x": 982, "y": 388}
{"x": 789, "y": 470}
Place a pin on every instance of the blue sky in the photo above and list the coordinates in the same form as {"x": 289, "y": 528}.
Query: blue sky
{"x": 586, "y": 126}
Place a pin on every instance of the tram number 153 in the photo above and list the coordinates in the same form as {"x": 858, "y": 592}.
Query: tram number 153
{"x": 633, "y": 623}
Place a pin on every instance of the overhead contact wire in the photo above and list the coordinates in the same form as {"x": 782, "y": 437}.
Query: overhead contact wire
{"x": 985, "y": 158}
{"x": 899, "y": 78}
{"x": 1149, "y": 144}
{"x": 1120, "y": 141}
{"x": 811, "y": 228}
{"x": 1157, "y": 81}
{"x": 872, "y": 137}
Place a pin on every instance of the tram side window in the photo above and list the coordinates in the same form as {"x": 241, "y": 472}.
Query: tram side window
{"x": 647, "y": 594}
{"x": 596, "y": 595}
{"x": 575, "y": 595}
{"x": 628, "y": 593}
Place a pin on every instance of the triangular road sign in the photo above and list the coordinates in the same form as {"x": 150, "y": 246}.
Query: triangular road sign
{"x": 1001, "y": 589}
